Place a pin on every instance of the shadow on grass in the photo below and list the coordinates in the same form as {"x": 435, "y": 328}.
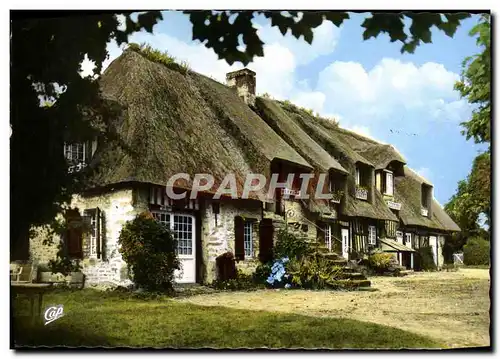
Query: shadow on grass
{"x": 27, "y": 336}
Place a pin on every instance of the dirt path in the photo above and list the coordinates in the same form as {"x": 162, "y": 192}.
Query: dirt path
{"x": 451, "y": 307}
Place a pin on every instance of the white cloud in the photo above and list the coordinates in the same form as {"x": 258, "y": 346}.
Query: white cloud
{"x": 424, "y": 172}
{"x": 390, "y": 86}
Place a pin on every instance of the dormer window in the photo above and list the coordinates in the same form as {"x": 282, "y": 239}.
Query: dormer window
{"x": 389, "y": 183}
{"x": 77, "y": 154}
{"x": 362, "y": 183}
{"x": 385, "y": 182}
{"x": 426, "y": 198}
{"x": 74, "y": 152}
{"x": 336, "y": 188}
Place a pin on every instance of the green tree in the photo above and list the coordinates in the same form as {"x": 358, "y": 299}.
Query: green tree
{"x": 46, "y": 57}
{"x": 471, "y": 200}
{"x": 473, "y": 194}
{"x": 475, "y": 84}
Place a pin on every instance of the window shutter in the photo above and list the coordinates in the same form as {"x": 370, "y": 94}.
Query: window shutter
{"x": 74, "y": 242}
{"x": 378, "y": 181}
{"x": 389, "y": 185}
{"x": 102, "y": 234}
{"x": 239, "y": 233}
{"x": 87, "y": 148}
{"x": 88, "y": 214}
{"x": 98, "y": 232}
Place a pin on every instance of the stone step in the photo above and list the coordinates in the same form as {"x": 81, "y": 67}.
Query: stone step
{"x": 347, "y": 269}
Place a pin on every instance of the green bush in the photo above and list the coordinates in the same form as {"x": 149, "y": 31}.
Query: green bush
{"x": 290, "y": 245}
{"x": 148, "y": 248}
{"x": 242, "y": 281}
{"x": 425, "y": 259}
{"x": 380, "y": 262}
{"x": 262, "y": 272}
{"x": 313, "y": 272}
{"x": 477, "y": 252}
{"x": 161, "y": 57}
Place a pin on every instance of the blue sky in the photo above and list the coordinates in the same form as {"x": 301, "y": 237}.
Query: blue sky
{"x": 369, "y": 86}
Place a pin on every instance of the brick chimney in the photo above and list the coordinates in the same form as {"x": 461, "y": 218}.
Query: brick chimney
{"x": 244, "y": 82}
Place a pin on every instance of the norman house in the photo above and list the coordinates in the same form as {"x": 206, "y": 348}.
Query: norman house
{"x": 176, "y": 122}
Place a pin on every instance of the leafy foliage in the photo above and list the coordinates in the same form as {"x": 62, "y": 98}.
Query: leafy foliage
{"x": 221, "y": 30}
{"x": 314, "y": 272}
{"x": 477, "y": 252}
{"x": 425, "y": 259}
{"x": 46, "y": 57}
{"x": 380, "y": 262}
{"x": 475, "y": 84}
{"x": 161, "y": 57}
{"x": 290, "y": 246}
{"x": 148, "y": 248}
{"x": 242, "y": 281}
{"x": 473, "y": 199}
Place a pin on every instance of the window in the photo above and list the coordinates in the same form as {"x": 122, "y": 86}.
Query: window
{"x": 399, "y": 236}
{"x": 372, "y": 235}
{"x": 407, "y": 238}
{"x": 248, "y": 239}
{"x": 95, "y": 243}
{"x": 358, "y": 176}
{"x": 328, "y": 237}
{"x": 389, "y": 184}
{"x": 74, "y": 152}
{"x": 182, "y": 229}
{"x": 426, "y": 195}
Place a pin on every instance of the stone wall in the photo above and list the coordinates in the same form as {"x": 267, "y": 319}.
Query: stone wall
{"x": 118, "y": 208}
{"x": 217, "y": 232}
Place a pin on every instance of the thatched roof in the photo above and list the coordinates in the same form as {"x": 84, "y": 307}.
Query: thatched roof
{"x": 326, "y": 134}
{"x": 408, "y": 189}
{"x": 177, "y": 123}
{"x": 442, "y": 217}
{"x": 295, "y": 136}
{"x": 331, "y": 139}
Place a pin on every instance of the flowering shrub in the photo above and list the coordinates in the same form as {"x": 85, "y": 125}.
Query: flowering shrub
{"x": 278, "y": 276}
{"x": 148, "y": 248}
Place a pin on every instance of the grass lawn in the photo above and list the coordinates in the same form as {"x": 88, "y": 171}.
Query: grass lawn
{"x": 93, "y": 318}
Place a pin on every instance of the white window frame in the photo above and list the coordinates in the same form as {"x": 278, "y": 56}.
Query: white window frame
{"x": 161, "y": 216}
{"x": 248, "y": 239}
{"x": 399, "y": 235}
{"x": 407, "y": 238}
{"x": 70, "y": 158}
{"x": 358, "y": 176}
{"x": 372, "y": 235}
{"x": 328, "y": 236}
{"x": 389, "y": 190}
